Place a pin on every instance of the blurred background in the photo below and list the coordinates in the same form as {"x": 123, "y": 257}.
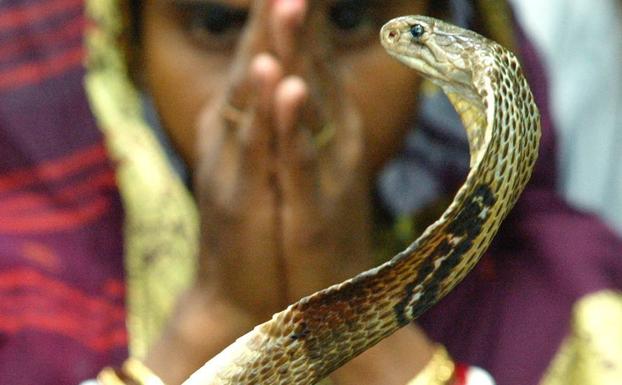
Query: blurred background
{"x": 581, "y": 45}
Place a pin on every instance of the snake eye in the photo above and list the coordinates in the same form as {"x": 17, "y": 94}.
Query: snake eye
{"x": 417, "y": 31}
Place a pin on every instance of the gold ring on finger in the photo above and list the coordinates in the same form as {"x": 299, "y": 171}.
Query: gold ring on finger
{"x": 232, "y": 115}
{"x": 325, "y": 136}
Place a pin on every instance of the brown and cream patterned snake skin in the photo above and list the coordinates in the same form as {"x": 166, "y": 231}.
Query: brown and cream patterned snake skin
{"x": 311, "y": 338}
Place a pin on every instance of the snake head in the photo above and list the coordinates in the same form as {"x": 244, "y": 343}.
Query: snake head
{"x": 439, "y": 51}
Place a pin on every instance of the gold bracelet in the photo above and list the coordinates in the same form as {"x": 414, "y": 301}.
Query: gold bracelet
{"x": 133, "y": 372}
{"x": 438, "y": 371}
{"x": 109, "y": 376}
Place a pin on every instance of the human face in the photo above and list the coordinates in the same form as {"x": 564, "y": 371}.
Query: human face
{"x": 188, "y": 48}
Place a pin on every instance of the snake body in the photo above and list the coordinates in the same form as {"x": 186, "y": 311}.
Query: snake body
{"x": 311, "y": 338}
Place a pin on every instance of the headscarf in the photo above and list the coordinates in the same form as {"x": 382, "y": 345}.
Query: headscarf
{"x": 98, "y": 235}
{"x": 62, "y": 291}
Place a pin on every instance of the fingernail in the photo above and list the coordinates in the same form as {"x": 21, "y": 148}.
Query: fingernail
{"x": 288, "y": 2}
{"x": 295, "y": 7}
{"x": 262, "y": 66}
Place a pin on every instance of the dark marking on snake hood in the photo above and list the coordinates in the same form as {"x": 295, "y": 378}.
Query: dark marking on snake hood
{"x": 461, "y": 232}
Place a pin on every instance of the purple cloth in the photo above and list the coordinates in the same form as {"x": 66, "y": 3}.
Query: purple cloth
{"x": 62, "y": 315}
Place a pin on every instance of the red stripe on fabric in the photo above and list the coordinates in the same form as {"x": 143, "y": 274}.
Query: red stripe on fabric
{"x": 64, "y": 324}
{"x": 54, "y": 169}
{"x": 42, "y": 255}
{"x": 460, "y": 374}
{"x": 56, "y": 219}
{"x": 18, "y": 16}
{"x": 30, "y": 280}
{"x": 31, "y": 300}
{"x": 45, "y": 303}
{"x": 68, "y": 195}
{"x": 114, "y": 288}
{"x": 35, "y": 72}
{"x": 21, "y": 44}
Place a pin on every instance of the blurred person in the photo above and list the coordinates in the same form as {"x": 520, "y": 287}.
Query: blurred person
{"x": 101, "y": 228}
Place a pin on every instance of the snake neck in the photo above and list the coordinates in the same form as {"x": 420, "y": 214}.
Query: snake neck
{"x": 312, "y": 337}
{"x": 503, "y": 129}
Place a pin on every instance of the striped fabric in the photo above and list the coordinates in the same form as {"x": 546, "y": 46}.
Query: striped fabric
{"x": 61, "y": 266}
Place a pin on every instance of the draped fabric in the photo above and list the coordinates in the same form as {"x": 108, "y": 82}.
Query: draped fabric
{"x": 62, "y": 314}
{"x": 98, "y": 235}
{"x": 161, "y": 219}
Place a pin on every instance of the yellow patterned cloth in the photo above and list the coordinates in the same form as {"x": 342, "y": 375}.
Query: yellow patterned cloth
{"x": 161, "y": 220}
{"x": 592, "y": 353}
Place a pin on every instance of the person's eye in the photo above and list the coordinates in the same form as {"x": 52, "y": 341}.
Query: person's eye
{"x": 353, "y": 22}
{"x": 212, "y": 25}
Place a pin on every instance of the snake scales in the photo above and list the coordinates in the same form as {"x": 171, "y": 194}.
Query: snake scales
{"x": 305, "y": 342}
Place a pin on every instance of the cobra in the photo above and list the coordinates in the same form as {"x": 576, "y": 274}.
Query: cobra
{"x": 311, "y": 338}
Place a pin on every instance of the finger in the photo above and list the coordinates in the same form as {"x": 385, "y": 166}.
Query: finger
{"x": 238, "y": 98}
{"x": 297, "y": 160}
{"x": 290, "y": 97}
{"x": 257, "y": 132}
{"x": 286, "y": 22}
{"x": 255, "y": 34}
{"x": 251, "y": 92}
{"x": 255, "y": 39}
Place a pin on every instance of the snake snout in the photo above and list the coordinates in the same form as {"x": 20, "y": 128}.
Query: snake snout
{"x": 390, "y": 35}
